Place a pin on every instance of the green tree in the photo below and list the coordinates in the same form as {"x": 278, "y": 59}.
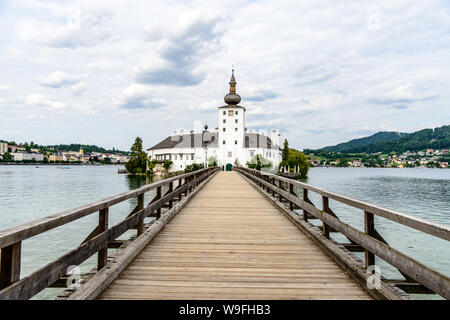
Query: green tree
{"x": 138, "y": 158}
{"x": 7, "y": 157}
{"x": 285, "y": 152}
{"x": 167, "y": 164}
{"x": 297, "y": 158}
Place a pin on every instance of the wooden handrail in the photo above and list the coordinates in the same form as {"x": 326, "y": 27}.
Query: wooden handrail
{"x": 431, "y": 228}
{"x": 12, "y": 287}
{"x": 33, "y": 228}
{"x": 370, "y": 240}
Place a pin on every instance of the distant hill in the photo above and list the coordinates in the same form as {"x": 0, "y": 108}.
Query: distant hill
{"x": 385, "y": 142}
{"x": 85, "y": 147}
{"x": 381, "y": 136}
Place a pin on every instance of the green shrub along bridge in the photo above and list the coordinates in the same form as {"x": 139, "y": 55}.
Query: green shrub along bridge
{"x": 212, "y": 234}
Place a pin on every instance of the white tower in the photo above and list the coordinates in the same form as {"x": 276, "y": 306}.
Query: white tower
{"x": 231, "y": 128}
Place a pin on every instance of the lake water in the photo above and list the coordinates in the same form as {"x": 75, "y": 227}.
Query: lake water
{"x": 28, "y": 193}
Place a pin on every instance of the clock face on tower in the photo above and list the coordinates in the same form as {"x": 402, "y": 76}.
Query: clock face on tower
{"x": 230, "y": 112}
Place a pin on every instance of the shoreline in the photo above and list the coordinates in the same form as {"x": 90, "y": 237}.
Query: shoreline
{"x": 59, "y": 164}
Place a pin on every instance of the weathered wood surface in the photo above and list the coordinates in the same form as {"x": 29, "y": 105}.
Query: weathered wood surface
{"x": 421, "y": 273}
{"x": 230, "y": 242}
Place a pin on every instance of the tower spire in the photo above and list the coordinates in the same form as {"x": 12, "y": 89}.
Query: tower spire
{"x": 232, "y": 82}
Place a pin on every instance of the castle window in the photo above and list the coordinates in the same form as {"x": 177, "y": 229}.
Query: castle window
{"x": 236, "y": 121}
{"x": 175, "y": 157}
{"x": 230, "y": 154}
{"x": 223, "y": 142}
{"x": 235, "y": 141}
{"x": 224, "y": 113}
{"x": 192, "y": 157}
{"x": 235, "y": 129}
{"x": 236, "y": 113}
{"x": 252, "y": 153}
{"x": 224, "y": 129}
{"x": 224, "y": 120}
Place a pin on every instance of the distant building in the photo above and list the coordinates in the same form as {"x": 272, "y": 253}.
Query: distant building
{"x": 3, "y": 147}
{"x": 27, "y": 156}
{"x": 230, "y": 144}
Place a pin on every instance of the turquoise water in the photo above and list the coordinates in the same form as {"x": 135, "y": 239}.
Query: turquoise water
{"x": 28, "y": 193}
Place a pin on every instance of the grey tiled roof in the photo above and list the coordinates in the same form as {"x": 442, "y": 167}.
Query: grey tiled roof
{"x": 252, "y": 140}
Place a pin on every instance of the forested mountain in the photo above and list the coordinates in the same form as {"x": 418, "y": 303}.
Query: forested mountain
{"x": 381, "y": 136}
{"x": 385, "y": 142}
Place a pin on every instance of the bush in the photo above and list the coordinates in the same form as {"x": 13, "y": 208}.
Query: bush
{"x": 193, "y": 167}
{"x": 167, "y": 164}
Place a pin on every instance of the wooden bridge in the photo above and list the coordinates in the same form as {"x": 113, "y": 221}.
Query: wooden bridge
{"x": 224, "y": 235}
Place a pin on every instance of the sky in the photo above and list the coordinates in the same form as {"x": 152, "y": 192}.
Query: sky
{"x": 322, "y": 72}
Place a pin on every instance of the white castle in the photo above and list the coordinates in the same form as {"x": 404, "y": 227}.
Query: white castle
{"x": 231, "y": 144}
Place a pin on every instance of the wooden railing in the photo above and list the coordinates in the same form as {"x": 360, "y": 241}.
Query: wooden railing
{"x": 11, "y": 284}
{"x": 419, "y": 277}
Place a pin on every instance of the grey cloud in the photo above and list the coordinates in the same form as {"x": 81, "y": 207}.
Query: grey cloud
{"x": 137, "y": 103}
{"x": 182, "y": 54}
{"x": 401, "y": 103}
{"x": 262, "y": 96}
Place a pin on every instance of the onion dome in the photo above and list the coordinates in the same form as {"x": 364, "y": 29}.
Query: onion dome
{"x": 232, "y": 98}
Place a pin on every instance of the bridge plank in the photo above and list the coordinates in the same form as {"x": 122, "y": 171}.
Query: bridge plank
{"x": 230, "y": 242}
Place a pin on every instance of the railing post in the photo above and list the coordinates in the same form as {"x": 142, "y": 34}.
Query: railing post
{"x": 291, "y": 191}
{"x": 180, "y": 182}
{"x": 280, "y": 185}
{"x": 10, "y": 264}
{"x": 140, "y": 206}
{"x": 103, "y": 226}
{"x": 325, "y": 208}
{"x": 170, "y": 190}
{"x": 305, "y": 198}
{"x": 158, "y": 196}
{"x": 369, "y": 228}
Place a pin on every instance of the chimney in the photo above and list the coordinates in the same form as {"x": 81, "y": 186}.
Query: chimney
{"x": 174, "y": 133}
{"x": 217, "y": 130}
{"x": 182, "y": 131}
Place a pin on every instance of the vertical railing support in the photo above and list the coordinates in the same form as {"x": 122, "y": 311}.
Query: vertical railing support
{"x": 158, "y": 196}
{"x": 305, "y": 198}
{"x": 170, "y": 190}
{"x": 325, "y": 208}
{"x": 291, "y": 191}
{"x": 369, "y": 228}
{"x": 280, "y": 185}
{"x": 103, "y": 226}
{"x": 140, "y": 206}
{"x": 10, "y": 264}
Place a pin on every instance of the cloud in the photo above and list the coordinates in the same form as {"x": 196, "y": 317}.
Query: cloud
{"x": 59, "y": 79}
{"x": 80, "y": 29}
{"x": 206, "y": 106}
{"x": 402, "y": 95}
{"x": 138, "y": 96}
{"x": 79, "y": 88}
{"x": 261, "y": 96}
{"x": 5, "y": 88}
{"x": 41, "y": 101}
{"x": 176, "y": 60}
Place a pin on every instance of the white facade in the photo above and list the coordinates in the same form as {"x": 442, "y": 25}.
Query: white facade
{"x": 25, "y": 156}
{"x": 3, "y": 147}
{"x": 232, "y": 144}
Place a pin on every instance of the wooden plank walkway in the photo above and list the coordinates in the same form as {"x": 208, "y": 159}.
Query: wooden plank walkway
{"x": 230, "y": 242}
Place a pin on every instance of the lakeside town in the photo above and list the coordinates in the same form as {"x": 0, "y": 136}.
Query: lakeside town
{"x": 427, "y": 158}
{"x": 30, "y": 153}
